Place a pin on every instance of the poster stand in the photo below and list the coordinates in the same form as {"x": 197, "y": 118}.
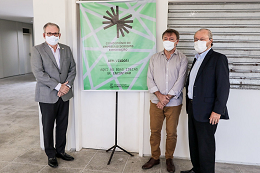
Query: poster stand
{"x": 114, "y": 147}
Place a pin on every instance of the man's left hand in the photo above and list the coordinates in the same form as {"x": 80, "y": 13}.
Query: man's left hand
{"x": 160, "y": 105}
{"x": 214, "y": 118}
{"x": 64, "y": 89}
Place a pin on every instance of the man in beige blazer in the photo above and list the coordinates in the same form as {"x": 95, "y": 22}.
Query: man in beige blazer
{"x": 54, "y": 69}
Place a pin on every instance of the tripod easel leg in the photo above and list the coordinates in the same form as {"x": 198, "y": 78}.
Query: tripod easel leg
{"x": 111, "y": 155}
{"x": 110, "y": 148}
{"x": 125, "y": 151}
{"x": 114, "y": 147}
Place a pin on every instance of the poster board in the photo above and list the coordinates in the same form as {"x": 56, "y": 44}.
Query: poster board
{"x": 117, "y": 40}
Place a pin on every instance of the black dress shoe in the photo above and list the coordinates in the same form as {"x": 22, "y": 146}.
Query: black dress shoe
{"x": 52, "y": 162}
{"x": 64, "y": 156}
{"x": 189, "y": 171}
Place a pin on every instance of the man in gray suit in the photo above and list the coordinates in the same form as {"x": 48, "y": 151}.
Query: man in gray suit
{"x": 54, "y": 69}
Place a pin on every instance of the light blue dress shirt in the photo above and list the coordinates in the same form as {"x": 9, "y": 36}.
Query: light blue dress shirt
{"x": 194, "y": 71}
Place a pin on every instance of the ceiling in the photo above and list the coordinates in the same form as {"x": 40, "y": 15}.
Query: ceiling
{"x": 17, "y": 10}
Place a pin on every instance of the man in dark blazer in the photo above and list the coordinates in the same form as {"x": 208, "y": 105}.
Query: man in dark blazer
{"x": 207, "y": 94}
{"x": 54, "y": 69}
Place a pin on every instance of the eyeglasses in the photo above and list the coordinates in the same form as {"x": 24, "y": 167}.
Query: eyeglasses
{"x": 50, "y": 34}
{"x": 202, "y": 39}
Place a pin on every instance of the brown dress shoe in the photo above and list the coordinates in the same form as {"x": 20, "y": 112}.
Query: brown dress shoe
{"x": 170, "y": 165}
{"x": 151, "y": 163}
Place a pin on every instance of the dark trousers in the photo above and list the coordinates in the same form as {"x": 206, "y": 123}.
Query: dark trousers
{"x": 201, "y": 143}
{"x": 50, "y": 112}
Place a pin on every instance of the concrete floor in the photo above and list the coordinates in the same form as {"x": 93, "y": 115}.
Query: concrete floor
{"x": 20, "y": 150}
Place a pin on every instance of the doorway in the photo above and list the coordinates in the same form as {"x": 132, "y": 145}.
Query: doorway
{"x": 26, "y": 58}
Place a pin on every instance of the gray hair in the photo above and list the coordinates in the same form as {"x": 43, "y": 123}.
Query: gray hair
{"x": 209, "y": 33}
{"x": 50, "y": 24}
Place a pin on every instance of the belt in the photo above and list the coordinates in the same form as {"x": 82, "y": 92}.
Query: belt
{"x": 191, "y": 100}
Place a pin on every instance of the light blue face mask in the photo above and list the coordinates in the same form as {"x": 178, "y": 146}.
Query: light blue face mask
{"x": 52, "y": 40}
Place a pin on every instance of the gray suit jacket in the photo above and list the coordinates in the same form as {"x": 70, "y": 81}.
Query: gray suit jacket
{"x": 48, "y": 75}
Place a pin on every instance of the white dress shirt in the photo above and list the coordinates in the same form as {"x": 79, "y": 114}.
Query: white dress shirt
{"x": 57, "y": 58}
{"x": 194, "y": 71}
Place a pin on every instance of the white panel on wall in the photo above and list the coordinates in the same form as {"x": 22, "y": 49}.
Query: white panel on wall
{"x": 98, "y": 119}
{"x": 236, "y": 33}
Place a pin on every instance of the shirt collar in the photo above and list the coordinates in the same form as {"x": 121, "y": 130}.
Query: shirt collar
{"x": 175, "y": 53}
{"x": 58, "y": 47}
{"x": 202, "y": 55}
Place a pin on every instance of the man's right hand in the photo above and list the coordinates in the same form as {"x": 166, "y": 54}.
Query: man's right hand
{"x": 162, "y": 98}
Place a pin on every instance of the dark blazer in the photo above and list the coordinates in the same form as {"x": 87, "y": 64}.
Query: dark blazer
{"x": 48, "y": 74}
{"x": 211, "y": 87}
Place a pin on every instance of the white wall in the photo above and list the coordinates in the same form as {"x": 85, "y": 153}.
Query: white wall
{"x": 92, "y": 113}
{"x": 11, "y": 48}
{"x": 44, "y": 13}
{"x": 238, "y": 139}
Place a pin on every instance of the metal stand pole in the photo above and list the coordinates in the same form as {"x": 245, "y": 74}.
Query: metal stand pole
{"x": 114, "y": 147}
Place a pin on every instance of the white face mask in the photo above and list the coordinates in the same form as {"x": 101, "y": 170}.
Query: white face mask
{"x": 52, "y": 40}
{"x": 168, "y": 45}
{"x": 200, "y": 46}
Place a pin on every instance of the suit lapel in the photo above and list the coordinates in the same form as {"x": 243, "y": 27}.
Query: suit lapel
{"x": 193, "y": 63}
{"x": 205, "y": 61}
{"x": 49, "y": 52}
